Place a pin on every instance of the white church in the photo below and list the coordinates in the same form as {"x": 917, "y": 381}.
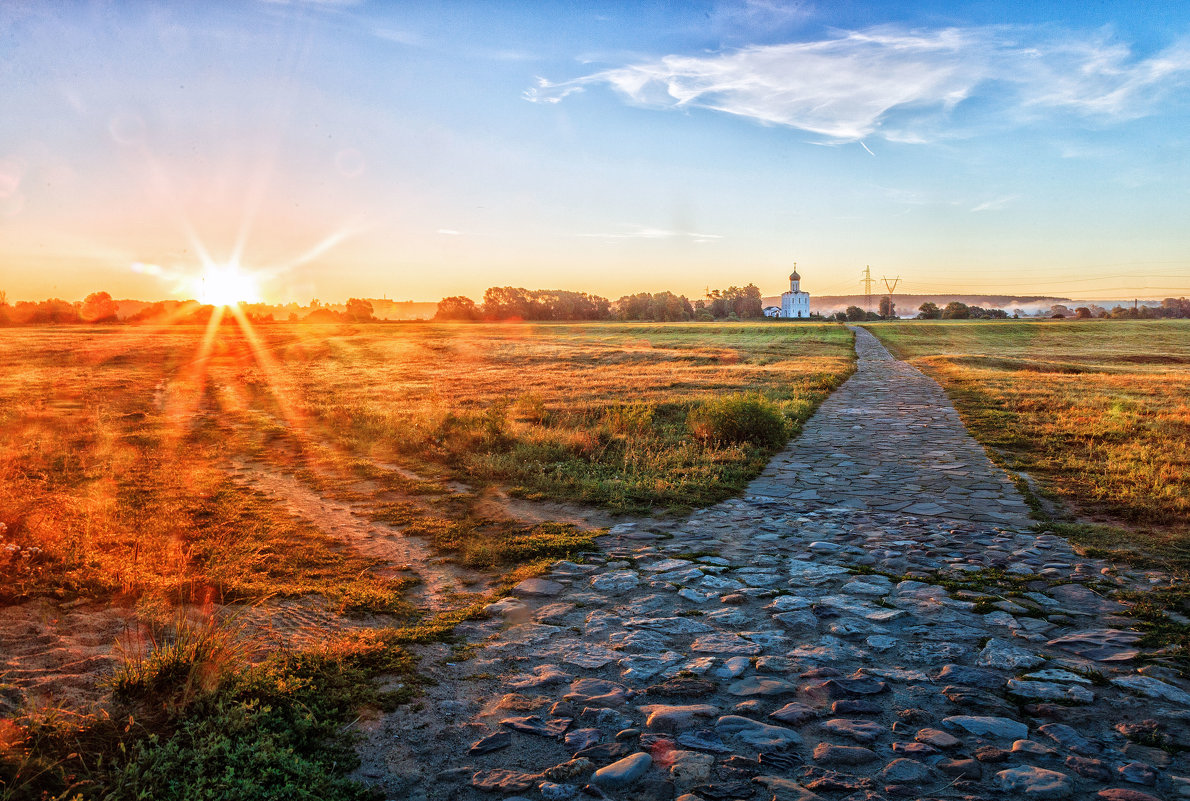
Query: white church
{"x": 795, "y": 302}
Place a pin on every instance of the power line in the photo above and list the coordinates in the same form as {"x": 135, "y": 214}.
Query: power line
{"x": 867, "y": 281}
{"x": 891, "y": 289}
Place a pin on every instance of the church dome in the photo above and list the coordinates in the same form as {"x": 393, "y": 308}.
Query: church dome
{"x": 794, "y": 276}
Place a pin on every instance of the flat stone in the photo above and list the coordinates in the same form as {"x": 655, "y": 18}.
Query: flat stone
{"x": 973, "y": 677}
{"x": 528, "y": 633}
{"x": 1138, "y": 773}
{"x": 703, "y": 740}
{"x": 1150, "y": 687}
{"x": 579, "y": 739}
{"x": 1089, "y": 767}
{"x": 938, "y": 739}
{"x": 761, "y": 736}
{"x": 782, "y": 790}
{"x": 794, "y": 714}
{"x": 604, "y": 752}
{"x": 645, "y": 666}
{"x": 843, "y": 688}
{"x": 538, "y": 588}
{"x": 856, "y": 706}
{"x": 1032, "y": 748}
{"x": 502, "y": 781}
{"x": 1050, "y": 691}
{"x": 725, "y": 644}
{"x": 615, "y": 583}
{"x": 1006, "y": 656}
{"x": 588, "y": 655}
{"x": 905, "y": 771}
{"x": 689, "y": 768}
{"x": 1101, "y": 645}
{"x": 554, "y": 727}
{"x": 669, "y": 625}
{"x": 624, "y": 773}
{"x": 551, "y": 791}
{"x": 963, "y": 768}
{"x": 540, "y": 676}
{"x": 597, "y": 692}
{"x": 666, "y": 717}
{"x": 864, "y": 731}
{"x": 831, "y": 754}
{"x": 765, "y": 686}
{"x": 1127, "y": 794}
{"x": 1069, "y": 738}
{"x": 987, "y": 726}
{"x": 493, "y": 742}
{"x": 1031, "y": 782}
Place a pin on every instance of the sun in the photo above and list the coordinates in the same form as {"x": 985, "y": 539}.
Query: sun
{"x": 226, "y": 285}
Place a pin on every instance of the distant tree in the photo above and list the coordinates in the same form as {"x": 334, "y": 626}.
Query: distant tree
{"x": 661, "y": 307}
{"x": 855, "y": 314}
{"x": 322, "y": 315}
{"x": 956, "y": 311}
{"x": 359, "y": 310}
{"x": 507, "y": 303}
{"x": 1175, "y": 307}
{"x": 457, "y": 307}
{"x": 98, "y": 307}
{"x": 1082, "y": 313}
{"x": 1059, "y": 310}
{"x": 840, "y": 317}
{"x": 929, "y": 311}
{"x": 145, "y": 313}
{"x": 888, "y": 309}
{"x": 744, "y": 302}
{"x": 54, "y": 310}
{"x": 1098, "y": 312}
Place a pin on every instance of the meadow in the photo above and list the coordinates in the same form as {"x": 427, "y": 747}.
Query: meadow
{"x": 131, "y": 466}
{"x": 1096, "y": 411}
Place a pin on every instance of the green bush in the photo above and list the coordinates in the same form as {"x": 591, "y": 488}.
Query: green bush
{"x": 738, "y": 419}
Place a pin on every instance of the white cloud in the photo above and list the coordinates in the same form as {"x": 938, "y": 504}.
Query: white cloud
{"x": 898, "y": 83}
{"x": 642, "y": 232}
{"x": 995, "y": 204}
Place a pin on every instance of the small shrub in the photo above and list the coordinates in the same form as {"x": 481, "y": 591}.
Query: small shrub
{"x": 189, "y": 659}
{"x": 736, "y": 419}
{"x": 630, "y": 419}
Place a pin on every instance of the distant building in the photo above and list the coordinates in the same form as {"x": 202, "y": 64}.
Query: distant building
{"x": 795, "y": 302}
{"x": 772, "y": 311}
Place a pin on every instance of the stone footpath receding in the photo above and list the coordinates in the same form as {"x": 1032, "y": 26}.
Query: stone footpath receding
{"x": 799, "y": 643}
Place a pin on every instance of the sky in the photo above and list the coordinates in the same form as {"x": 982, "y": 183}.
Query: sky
{"x": 410, "y": 150}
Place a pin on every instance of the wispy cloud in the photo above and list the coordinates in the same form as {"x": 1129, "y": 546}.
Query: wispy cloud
{"x": 642, "y": 232}
{"x": 900, "y": 84}
{"x": 994, "y": 204}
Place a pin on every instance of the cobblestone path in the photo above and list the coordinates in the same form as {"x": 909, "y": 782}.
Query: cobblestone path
{"x": 890, "y": 440}
{"x": 873, "y": 619}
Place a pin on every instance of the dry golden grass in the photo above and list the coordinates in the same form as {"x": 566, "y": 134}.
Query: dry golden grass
{"x": 115, "y": 441}
{"x": 1097, "y": 411}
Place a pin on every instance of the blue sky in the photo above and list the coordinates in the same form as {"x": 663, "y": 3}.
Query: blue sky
{"x": 420, "y": 150}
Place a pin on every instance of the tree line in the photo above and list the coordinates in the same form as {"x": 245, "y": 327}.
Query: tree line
{"x": 1170, "y": 308}
{"x": 518, "y": 303}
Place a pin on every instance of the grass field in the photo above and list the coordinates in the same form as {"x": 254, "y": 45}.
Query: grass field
{"x": 114, "y": 442}
{"x": 1098, "y": 412}
{"x": 117, "y": 486}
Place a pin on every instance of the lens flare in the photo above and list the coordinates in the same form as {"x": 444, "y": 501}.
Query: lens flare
{"x": 226, "y": 285}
